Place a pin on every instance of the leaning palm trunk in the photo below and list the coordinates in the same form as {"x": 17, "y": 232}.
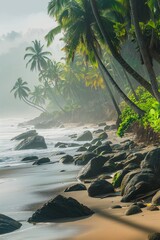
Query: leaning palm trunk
{"x": 132, "y": 105}
{"x": 110, "y": 93}
{"x": 143, "y": 49}
{"x": 115, "y": 54}
{"x": 130, "y": 85}
{"x": 33, "y": 105}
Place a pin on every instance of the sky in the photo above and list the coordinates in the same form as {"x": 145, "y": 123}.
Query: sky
{"x": 21, "y": 22}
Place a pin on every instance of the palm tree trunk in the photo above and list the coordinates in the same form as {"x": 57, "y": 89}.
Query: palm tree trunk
{"x": 132, "y": 105}
{"x": 143, "y": 49}
{"x": 33, "y": 105}
{"x": 130, "y": 85}
{"x": 114, "y": 52}
{"x": 110, "y": 93}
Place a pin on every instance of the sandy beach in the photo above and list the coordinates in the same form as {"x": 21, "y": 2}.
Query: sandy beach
{"x": 25, "y": 188}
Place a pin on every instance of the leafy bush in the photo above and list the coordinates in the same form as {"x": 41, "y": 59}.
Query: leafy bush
{"x": 151, "y": 108}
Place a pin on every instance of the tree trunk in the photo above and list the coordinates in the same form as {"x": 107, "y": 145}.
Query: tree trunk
{"x": 130, "y": 85}
{"x": 132, "y": 105}
{"x": 33, "y": 105}
{"x": 143, "y": 50}
{"x": 114, "y": 52}
{"x": 110, "y": 93}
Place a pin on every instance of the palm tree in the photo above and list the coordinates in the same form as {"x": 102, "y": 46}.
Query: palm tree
{"x": 37, "y": 96}
{"x": 76, "y": 20}
{"x": 21, "y": 91}
{"x": 37, "y": 58}
{"x": 114, "y": 51}
{"x": 143, "y": 49}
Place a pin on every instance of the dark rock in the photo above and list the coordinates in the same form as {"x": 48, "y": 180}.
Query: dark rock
{"x": 140, "y": 204}
{"x": 92, "y": 148}
{"x": 60, "y": 144}
{"x": 132, "y": 166}
{"x": 133, "y": 209}
{"x": 76, "y": 187}
{"x": 118, "y": 177}
{"x": 104, "y": 148}
{"x": 60, "y": 208}
{"x": 140, "y": 184}
{"x": 152, "y": 160}
{"x": 25, "y": 135}
{"x": 127, "y": 178}
{"x": 154, "y": 236}
{"x": 59, "y": 153}
{"x": 8, "y": 224}
{"x": 87, "y": 145}
{"x": 73, "y": 145}
{"x": 116, "y": 206}
{"x": 152, "y": 208}
{"x": 29, "y": 159}
{"x": 109, "y": 167}
{"x": 156, "y": 199}
{"x": 128, "y": 145}
{"x": 63, "y": 171}
{"x": 98, "y": 131}
{"x": 106, "y": 128}
{"x": 103, "y": 136}
{"x": 67, "y": 159}
{"x": 100, "y": 187}
{"x": 35, "y": 142}
{"x": 86, "y": 136}
{"x": 113, "y": 127}
{"x": 116, "y": 147}
{"x": 118, "y": 157}
{"x": 84, "y": 158}
{"x": 135, "y": 158}
{"x": 42, "y": 161}
{"x": 93, "y": 168}
{"x": 73, "y": 135}
{"x": 81, "y": 149}
{"x": 103, "y": 124}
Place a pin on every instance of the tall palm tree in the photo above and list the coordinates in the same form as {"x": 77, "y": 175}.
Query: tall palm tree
{"x": 37, "y": 96}
{"x": 21, "y": 91}
{"x": 114, "y": 51}
{"x": 37, "y": 57}
{"x": 76, "y": 20}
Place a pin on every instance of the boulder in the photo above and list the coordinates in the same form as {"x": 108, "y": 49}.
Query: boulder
{"x": 154, "y": 236}
{"x": 60, "y": 208}
{"x": 59, "y": 144}
{"x": 116, "y": 207}
{"x": 42, "y": 161}
{"x": 127, "y": 178}
{"x": 118, "y": 177}
{"x": 103, "y": 124}
{"x": 100, "y": 187}
{"x": 152, "y": 160}
{"x": 103, "y": 136}
{"x": 8, "y": 224}
{"x": 82, "y": 149}
{"x": 83, "y": 159}
{"x": 132, "y": 166}
{"x": 73, "y": 145}
{"x": 86, "y": 136}
{"x": 152, "y": 208}
{"x": 67, "y": 159}
{"x": 35, "y": 142}
{"x": 156, "y": 199}
{"x": 93, "y": 168}
{"x": 98, "y": 131}
{"x": 73, "y": 135}
{"x": 133, "y": 209}
{"x": 92, "y": 148}
{"x": 104, "y": 148}
{"x": 118, "y": 157}
{"x": 29, "y": 159}
{"x": 135, "y": 158}
{"x": 76, "y": 187}
{"x": 140, "y": 184}
{"x": 25, "y": 135}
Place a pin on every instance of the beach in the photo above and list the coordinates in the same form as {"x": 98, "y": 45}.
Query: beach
{"x": 25, "y": 188}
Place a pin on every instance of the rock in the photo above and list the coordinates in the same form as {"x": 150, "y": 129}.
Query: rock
{"x": 63, "y": 171}
{"x": 103, "y": 124}
{"x": 84, "y": 158}
{"x": 106, "y": 128}
{"x": 87, "y": 145}
{"x": 103, "y": 136}
{"x": 154, "y": 236}
{"x": 116, "y": 206}
{"x": 127, "y": 178}
{"x": 25, "y": 135}
{"x": 76, "y": 187}
{"x": 35, "y": 142}
{"x": 8, "y": 224}
{"x": 156, "y": 199}
{"x": 135, "y": 158}
{"x": 113, "y": 127}
{"x": 132, "y": 166}
{"x": 109, "y": 167}
{"x": 73, "y": 145}
{"x": 67, "y": 159}
{"x": 59, "y": 144}
{"x": 82, "y": 149}
{"x": 29, "y": 159}
{"x": 92, "y": 148}
{"x": 98, "y": 131}
{"x": 152, "y": 208}
{"x": 86, "y": 136}
{"x": 140, "y": 204}
{"x": 62, "y": 146}
{"x": 73, "y": 135}
{"x": 140, "y": 184}
{"x": 152, "y": 160}
{"x": 118, "y": 177}
{"x": 133, "y": 209}
{"x": 42, "y": 161}
{"x": 103, "y": 148}
{"x": 118, "y": 157}
{"x": 59, "y": 153}
{"x": 60, "y": 208}
{"x": 93, "y": 168}
{"x": 100, "y": 187}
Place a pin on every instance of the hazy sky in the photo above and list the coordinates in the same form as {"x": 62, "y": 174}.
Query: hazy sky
{"x": 21, "y": 22}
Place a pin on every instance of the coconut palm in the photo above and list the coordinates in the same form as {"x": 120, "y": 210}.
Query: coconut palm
{"x": 21, "y": 91}
{"x": 76, "y": 20}
{"x": 37, "y": 57}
